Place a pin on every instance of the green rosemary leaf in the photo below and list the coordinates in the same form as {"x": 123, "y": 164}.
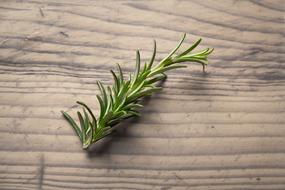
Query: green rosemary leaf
{"x": 110, "y": 96}
{"x": 191, "y": 48}
{"x": 153, "y": 55}
{"x": 143, "y": 93}
{"x": 175, "y": 49}
{"x": 121, "y": 101}
{"x": 116, "y": 82}
{"x": 121, "y": 76}
{"x": 88, "y": 130}
{"x": 103, "y": 133}
{"x": 133, "y": 106}
{"x": 144, "y": 75}
{"x": 124, "y": 90}
{"x": 88, "y": 109}
{"x": 119, "y": 113}
{"x": 89, "y": 137}
{"x": 139, "y": 86}
{"x": 73, "y": 124}
{"x": 210, "y": 51}
{"x": 166, "y": 69}
{"x": 109, "y": 104}
{"x": 82, "y": 125}
{"x": 134, "y": 113}
{"x": 156, "y": 79}
{"x": 138, "y": 65}
{"x": 144, "y": 68}
{"x": 86, "y": 122}
{"x": 107, "y": 117}
{"x": 197, "y": 60}
{"x": 102, "y": 107}
{"x": 103, "y": 93}
{"x": 114, "y": 122}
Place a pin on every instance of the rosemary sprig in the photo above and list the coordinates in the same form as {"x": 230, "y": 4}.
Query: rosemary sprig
{"x": 121, "y": 101}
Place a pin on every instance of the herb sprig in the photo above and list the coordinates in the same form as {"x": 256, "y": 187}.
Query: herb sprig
{"x": 122, "y": 100}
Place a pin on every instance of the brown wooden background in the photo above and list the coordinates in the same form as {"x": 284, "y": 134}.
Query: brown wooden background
{"x": 220, "y": 130}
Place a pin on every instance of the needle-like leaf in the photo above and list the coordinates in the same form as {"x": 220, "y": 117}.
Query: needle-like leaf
{"x": 153, "y": 55}
{"x": 82, "y": 125}
{"x": 116, "y": 82}
{"x": 88, "y": 109}
{"x": 191, "y": 48}
{"x": 138, "y": 65}
{"x": 73, "y": 124}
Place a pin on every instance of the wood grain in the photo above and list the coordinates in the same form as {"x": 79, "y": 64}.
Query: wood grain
{"x": 223, "y": 130}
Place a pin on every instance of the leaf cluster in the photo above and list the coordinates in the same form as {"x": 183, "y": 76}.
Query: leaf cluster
{"x": 122, "y": 100}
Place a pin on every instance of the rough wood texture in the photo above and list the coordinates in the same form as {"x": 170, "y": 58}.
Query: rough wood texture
{"x": 220, "y": 130}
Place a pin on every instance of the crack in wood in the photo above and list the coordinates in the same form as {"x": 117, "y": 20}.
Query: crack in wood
{"x": 41, "y": 171}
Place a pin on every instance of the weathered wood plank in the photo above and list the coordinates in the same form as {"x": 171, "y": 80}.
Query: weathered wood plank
{"x": 218, "y": 131}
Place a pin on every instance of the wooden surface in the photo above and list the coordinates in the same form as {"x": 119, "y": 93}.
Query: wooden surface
{"x": 220, "y": 130}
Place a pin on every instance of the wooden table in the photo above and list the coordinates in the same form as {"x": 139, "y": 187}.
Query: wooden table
{"x": 221, "y": 130}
